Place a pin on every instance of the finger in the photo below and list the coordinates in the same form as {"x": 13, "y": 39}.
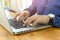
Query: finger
{"x": 18, "y": 18}
{"x": 17, "y": 14}
{"x": 26, "y": 16}
{"x": 29, "y": 21}
{"x": 35, "y": 23}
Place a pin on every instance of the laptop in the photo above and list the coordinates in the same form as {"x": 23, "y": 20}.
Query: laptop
{"x": 6, "y": 20}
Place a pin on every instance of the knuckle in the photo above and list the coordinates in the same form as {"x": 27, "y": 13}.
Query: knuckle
{"x": 28, "y": 18}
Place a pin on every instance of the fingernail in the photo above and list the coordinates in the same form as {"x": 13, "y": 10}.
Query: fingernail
{"x": 14, "y": 19}
{"x": 27, "y": 25}
{"x": 23, "y": 21}
{"x": 23, "y": 24}
{"x": 30, "y": 24}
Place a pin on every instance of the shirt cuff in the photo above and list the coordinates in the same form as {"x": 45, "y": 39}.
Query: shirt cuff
{"x": 51, "y": 15}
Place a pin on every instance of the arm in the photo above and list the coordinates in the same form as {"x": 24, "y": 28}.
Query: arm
{"x": 42, "y": 5}
{"x": 32, "y": 8}
{"x": 56, "y": 22}
{"x": 37, "y": 6}
{"x": 55, "y": 10}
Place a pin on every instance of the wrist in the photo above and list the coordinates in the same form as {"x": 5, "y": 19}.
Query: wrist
{"x": 47, "y": 19}
{"x": 52, "y": 16}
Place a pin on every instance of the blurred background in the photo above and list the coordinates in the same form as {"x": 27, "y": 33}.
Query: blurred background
{"x": 16, "y": 5}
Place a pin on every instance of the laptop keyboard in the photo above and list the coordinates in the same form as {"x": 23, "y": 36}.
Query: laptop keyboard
{"x": 15, "y": 24}
{"x": 18, "y": 25}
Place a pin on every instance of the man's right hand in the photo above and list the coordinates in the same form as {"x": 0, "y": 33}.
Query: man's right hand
{"x": 24, "y": 14}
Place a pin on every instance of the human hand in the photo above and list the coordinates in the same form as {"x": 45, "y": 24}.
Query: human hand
{"x": 19, "y": 15}
{"x": 35, "y": 19}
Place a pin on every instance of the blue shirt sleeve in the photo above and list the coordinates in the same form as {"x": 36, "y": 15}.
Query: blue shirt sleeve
{"x": 54, "y": 8}
{"x": 56, "y": 21}
{"x": 56, "y": 11}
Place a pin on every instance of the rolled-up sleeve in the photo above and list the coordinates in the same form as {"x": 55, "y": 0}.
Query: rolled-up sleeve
{"x": 32, "y": 8}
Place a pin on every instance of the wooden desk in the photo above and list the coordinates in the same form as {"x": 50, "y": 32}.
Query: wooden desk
{"x": 44, "y": 34}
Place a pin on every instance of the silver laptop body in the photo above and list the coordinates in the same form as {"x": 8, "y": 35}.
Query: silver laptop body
{"x": 15, "y": 27}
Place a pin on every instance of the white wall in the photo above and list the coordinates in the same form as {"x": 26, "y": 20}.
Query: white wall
{"x": 20, "y": 4}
